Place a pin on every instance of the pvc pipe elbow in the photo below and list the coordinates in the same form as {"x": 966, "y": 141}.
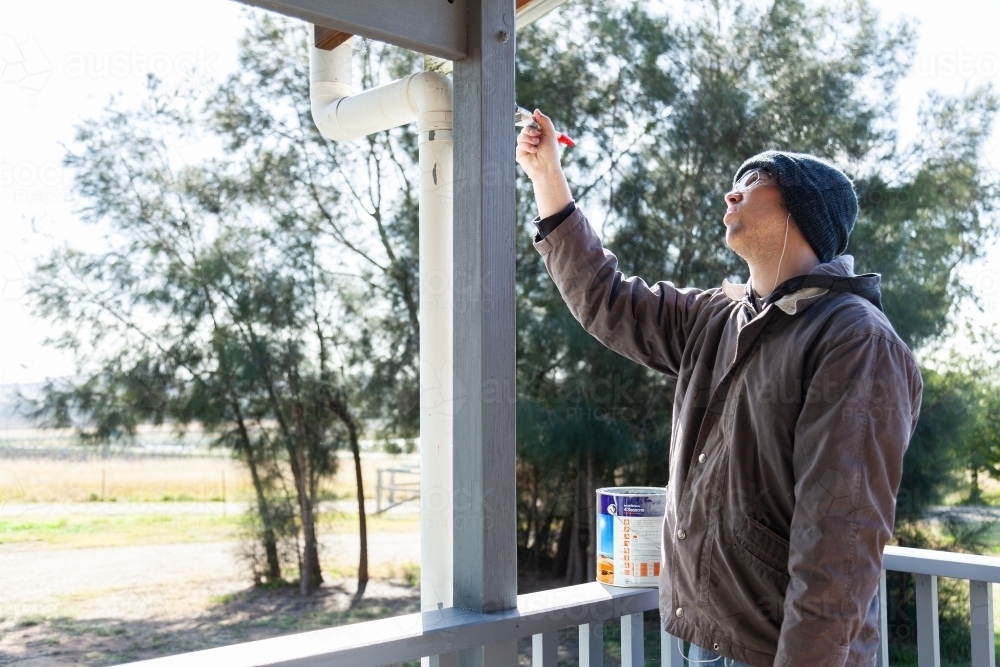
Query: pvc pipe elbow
{"x": 425, "y": 97}
{"x": 330, "y": 80}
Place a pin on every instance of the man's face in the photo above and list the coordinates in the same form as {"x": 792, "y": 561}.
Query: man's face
{"x": 755, "y": 217}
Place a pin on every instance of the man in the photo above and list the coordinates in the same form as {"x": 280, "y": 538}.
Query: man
{"x": 795, "y": 402}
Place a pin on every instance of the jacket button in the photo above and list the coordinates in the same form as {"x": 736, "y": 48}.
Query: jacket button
{"x": 681, "y": 534}
{"x": 679, "y": 612}
{"x": 702, "y": 458}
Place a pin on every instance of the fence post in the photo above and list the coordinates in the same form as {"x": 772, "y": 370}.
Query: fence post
{"x": 670, "y": 650}
{"x": 545, "y": 649}
{"x": 485, "y": 237}
{"x": 443, "y": 660}
{"x": 928, "y": 642}
{"x": 592, "y": 644}
{"x": 981, "y": 615}
{"x": 882, "y": 657}
{"x": 632, "y": 648}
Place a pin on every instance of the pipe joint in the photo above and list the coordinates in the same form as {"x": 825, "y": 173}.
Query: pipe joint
{"x": 434, "y": 120}
{"x": 425, "y": 97}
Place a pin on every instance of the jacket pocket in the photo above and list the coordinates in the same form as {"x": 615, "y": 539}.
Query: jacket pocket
{"x": 763, "y": 548}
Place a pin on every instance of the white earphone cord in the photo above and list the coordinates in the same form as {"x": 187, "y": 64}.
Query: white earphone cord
{"x": 728, "y": 662}
{"x": 785, "y": 243}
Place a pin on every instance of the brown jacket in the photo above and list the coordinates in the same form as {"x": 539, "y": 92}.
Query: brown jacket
{"x": 786, "y": 450}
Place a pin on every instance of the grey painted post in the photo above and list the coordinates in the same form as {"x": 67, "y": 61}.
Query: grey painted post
{"x": 981, "y": 615}
{"x": 632, "y": 648}
{"x": 882, "y": 657}
{"x": 670, "y": 650}
{"x": 485, "y": 551}
{"x": 592, "y": 644}
{"x": 443, "y": 660}
{"x": 928, "y": 643}
{"x": 545, "y": 649}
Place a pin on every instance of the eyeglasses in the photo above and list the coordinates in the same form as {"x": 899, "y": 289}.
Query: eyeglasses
{"x": 752, "y": 179}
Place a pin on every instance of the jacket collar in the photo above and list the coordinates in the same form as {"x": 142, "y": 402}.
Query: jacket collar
{"x": 799, "y": 300}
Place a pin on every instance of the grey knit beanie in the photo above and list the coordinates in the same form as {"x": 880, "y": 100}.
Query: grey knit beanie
{"x": 818, "y": 195}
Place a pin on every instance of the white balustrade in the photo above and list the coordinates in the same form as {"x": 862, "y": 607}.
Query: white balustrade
{"x": 927, "y": 566}
{"x": 450, "y": 636}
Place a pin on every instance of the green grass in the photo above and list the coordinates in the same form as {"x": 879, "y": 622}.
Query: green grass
{"x": 224, "y": 599}
{"x": 343, "y": 522}
{"x": 30, "y": 621}
{"x": 79, "y": 531}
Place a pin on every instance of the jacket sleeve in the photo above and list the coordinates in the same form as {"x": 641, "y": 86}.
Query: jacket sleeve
{"x": 859, "y": 413}
{"x": 650, "y": 325}
{"x": 549, "y": 223}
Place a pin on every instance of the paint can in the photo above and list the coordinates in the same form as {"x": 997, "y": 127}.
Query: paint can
{"x": 629, "y": 534}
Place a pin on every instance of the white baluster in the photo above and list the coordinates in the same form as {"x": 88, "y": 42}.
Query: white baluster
{"x": 545, "y": 649}
{"x": 592, "y": 644}
{"x": 882, "y": 657}
{"x": 670, "y": 651}
{"x": 981, "y": 614}
{"x": 632, "y": 649}
{"x": 928, "y": 642}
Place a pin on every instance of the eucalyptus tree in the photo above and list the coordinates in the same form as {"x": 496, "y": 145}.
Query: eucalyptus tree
{"x": 665, "y": 104}
{"x": 348, "y": 209}
{"x": 257, "y": 279}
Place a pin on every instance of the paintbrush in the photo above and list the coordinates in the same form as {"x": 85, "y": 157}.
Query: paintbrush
{"x": 524, "y": 118}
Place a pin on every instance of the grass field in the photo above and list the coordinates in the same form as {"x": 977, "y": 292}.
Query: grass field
{"x": 157, "y": 568}
{"x": 81, "y": 531}
{"x": 41, "y": 480}
{"x": 156, "y": 479}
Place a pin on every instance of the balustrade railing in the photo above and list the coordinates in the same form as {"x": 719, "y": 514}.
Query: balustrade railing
{"x": 445, "y": 633}
{"x": 927, "y": 566}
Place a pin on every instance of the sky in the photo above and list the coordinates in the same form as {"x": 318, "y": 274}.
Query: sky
{"x": 62, "y": 61}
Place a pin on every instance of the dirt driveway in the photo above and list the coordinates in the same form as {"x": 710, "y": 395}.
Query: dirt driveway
{"x": 99, "y": 606}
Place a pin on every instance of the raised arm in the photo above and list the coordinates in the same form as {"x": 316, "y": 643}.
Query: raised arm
{"x": 650, "y": 325}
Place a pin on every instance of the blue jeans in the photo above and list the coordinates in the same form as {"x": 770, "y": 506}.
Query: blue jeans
{"x": 708, "y": 659}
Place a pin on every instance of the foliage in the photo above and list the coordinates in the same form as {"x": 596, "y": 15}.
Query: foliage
{"x": 191, "y": 314}
{"x": 929, "y": 468}
{"x": 665, "y": 107}
{"x": 958, "y": 434}
{"x": 242, "y": 291}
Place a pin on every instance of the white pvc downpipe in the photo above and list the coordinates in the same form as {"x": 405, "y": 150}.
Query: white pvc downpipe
{"x": 425, "y": 97}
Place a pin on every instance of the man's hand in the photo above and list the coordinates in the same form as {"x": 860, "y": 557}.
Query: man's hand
{"x": 538, "y": 155}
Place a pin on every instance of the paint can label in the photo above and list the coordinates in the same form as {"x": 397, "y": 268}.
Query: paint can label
{"x": 629, "y": 533}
